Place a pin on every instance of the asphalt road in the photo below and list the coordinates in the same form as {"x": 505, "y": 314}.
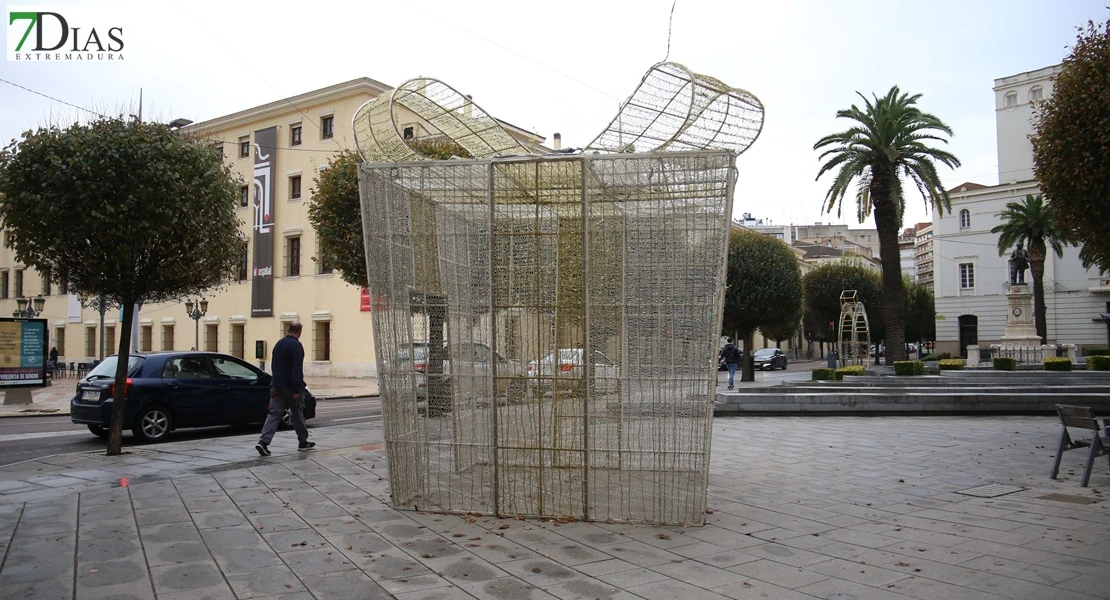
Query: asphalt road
{"x": 28, "y": 438}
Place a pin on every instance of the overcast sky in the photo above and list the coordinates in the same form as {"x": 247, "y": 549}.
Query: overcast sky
{"x": 565, "y": 66}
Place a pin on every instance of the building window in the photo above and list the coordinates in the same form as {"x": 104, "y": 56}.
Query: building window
{"x": 1011, "y": 99}
{"x": 218, "y": 149}
{"x": 167, "y": 337}
{"x": 295, "y": 135}
{"x": 110, "y": 340}
{"x": 965, "y": 219}
{"x": 323, "y": 265}
{"x": 409, "y": 133}
{"x": 47, "y": 284}
{"x": 244, "y": 147}
{"x": 60, "y": 340}
{"x": 5, "y": 291}
{"x": 19, "y": 283}
{"x": 90, "y": 341}
{"x": 211, "y": 338}
{"x": 243, "y": 262}
{"x": 1037, "y": 93}
{"x": 146, "y": 338}
{"x": 293, "y": 256}
{"x": 327, "y": 127}
{"x": 321, "y": 341}
{"x": 237, "y": 337}
{"x": 63, "y": 284}
{"x": 295, "y": 187}
{"x": 244, "y": 196}
{"x": 967, "y": 276}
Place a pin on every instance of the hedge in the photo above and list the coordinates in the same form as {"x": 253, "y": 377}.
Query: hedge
{"x": 1096, "y": 351}
{"x": 950, "y": 364}
{"x": 909, "y": 367}
{"x": 1098, "y": 363}
{"x": 1057, "y": 363}
{"x": 1005, "y": 363}
{"x": 930, "y": 357}
{"x": 852, "y": 370}
{"x": 824, "y": 375}
{"x": 944, "y": 355}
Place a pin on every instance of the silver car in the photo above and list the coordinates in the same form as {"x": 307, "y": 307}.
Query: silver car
{"x": 566, "y": 369}
{"x": 468, "y": 368}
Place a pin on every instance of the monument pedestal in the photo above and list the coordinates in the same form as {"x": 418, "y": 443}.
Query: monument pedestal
{"x": 1021, "y": 331}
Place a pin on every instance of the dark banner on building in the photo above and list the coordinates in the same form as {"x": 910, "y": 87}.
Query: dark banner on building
{"x": 262, "y": 284}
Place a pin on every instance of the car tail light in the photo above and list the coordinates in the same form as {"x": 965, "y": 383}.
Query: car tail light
{"x": 126, "y": 389}
{"x": 529, "y": 367}
{"x": 420, "y": 367}
{"x": 566, "y": 367}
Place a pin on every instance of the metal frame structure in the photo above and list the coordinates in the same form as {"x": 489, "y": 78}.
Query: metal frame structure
{"x": 546, "y": 326}
{"x": 855, "y": 331}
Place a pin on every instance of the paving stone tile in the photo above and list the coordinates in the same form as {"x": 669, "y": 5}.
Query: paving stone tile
{"x": 540, "y": 572}
{"x": 630, "y": 578}
{"x": 316, "y": 561}
{"x": 464, "y": 569}
{"x": 699, "y": 574}
{"x": 1040, "y": 574}
{"x": 57, "y": 588}
{"x": 931, "y": 589}
{"x": 94, "y": 549}
{"x": 785, "y": 554}
{"x": 265, "y": 581}
{"x": 279, "y": 522}
{"x": 450, "y": 593}
{"x": 32, "y": 558}
{"x": 343, "y": 585}
{"x": 754, "y": 589}
{"x": 160, "y": 516}
{"x": 107, "y": 578}
{"x": 840, "y": 588}
{"x": 199, "y": 578}
{"x": 306, "y": 539}
{"x": 505, "y": 587}
{"x": 669, "y": 589}
{"x": 871, "y": 575}
{"x": 404, "y": 585}
{"x": 586, "y": 589}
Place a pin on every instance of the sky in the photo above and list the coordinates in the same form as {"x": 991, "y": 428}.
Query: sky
{"x": 566, "y": 67}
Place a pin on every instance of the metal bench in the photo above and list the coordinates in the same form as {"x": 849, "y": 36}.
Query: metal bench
{"x": 1081, "y": 417}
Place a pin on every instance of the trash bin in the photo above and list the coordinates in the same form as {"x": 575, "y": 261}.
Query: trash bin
{"x": 833, "y": 357}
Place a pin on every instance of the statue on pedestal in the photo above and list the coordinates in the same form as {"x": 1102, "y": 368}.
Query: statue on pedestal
{"x": 1019, "y": 262}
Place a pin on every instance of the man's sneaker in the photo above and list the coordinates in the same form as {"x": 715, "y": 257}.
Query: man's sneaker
{"x": 306, "y": 446}
{"x": 263, "y": 448}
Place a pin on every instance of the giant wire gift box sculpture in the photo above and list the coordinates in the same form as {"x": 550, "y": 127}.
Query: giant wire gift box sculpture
{"x": 546, "y": 325}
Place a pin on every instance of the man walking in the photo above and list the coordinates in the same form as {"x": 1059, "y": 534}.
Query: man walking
{"x": 731, "y": 354}
{"x": 286, "y": 390}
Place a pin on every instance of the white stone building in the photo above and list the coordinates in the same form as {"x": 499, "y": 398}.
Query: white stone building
{"x": 971, "y": 279}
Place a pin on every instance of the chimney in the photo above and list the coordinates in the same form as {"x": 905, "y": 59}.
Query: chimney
{"x": 558, "y": 141}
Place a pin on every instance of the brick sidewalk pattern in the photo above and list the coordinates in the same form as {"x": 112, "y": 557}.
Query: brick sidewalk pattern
{"x": 865, "y": 508}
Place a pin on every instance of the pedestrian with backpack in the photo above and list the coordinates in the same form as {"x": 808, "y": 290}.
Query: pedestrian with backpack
{"x": 732, "y": 355}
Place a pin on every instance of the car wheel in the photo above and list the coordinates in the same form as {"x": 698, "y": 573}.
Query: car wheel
{"x": 152, "y": 424}
{"x": 98, "y": 431}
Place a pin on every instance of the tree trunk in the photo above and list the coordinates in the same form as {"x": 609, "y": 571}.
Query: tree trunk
{"x": 1037, "y": 255}
{"x": 119, "y": 398}
{"x": 747, "y": 369}
{"x": 894, "y": 313}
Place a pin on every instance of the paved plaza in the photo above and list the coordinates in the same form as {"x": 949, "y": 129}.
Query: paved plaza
{"x": 838, "y": 508}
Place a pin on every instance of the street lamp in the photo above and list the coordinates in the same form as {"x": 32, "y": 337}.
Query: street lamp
{"x": 100, "y": 304}
{"x": 28, "y": 312}
{"x": 195, "y": 314}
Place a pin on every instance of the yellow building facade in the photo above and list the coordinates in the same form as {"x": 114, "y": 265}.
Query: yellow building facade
{"x": 310, "y": 129}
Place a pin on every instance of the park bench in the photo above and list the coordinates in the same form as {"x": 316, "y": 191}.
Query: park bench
{"x": 1081, "y": 417}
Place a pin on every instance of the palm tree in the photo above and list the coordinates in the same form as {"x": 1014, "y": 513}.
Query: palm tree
{"x": 888, "y": 141}
{"x": 1032, "y": 222}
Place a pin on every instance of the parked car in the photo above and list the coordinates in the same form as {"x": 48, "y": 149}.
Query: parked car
{"x": 566, "y": 369}
{"x": 769, "y": 358}
{"x": 172, "y": 390}
{"x": 470, "y": 362}
{"x": 414, "y": 360}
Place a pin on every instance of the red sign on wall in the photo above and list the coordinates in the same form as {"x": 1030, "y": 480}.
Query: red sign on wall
{"x": 364, "y": 299}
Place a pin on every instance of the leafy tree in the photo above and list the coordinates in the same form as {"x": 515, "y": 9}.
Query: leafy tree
{"x": 823, "y": 286}
{"x": 1032, "y": 222}
{"x": 887, "y": 141}
{"x": 1071, "y": 145}
{"x": 764, "y": 289}
{"x": 921, "y": 313}
{"x": 336, "y": 215}
{"x": 131, "y": 210}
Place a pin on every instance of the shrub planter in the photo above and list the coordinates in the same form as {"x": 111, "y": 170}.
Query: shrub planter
{"x": 909, "y": 367}
{"x": 950, "y": 364}
{"x": 1098, "y": 363}
{"x": 1005, "y": 363}
{"x": 1057, "y": 363}
{"x": 852, "y": 370}
{"x": 824, "y": 375}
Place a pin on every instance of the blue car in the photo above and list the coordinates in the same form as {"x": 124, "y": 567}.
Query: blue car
{"x": 172, "y": 390}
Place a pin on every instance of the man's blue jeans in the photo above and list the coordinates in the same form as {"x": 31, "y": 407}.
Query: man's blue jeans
{"x": 731, "y": 373}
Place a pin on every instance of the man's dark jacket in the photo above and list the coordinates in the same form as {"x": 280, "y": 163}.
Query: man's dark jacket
{"x": 288, "y": 364}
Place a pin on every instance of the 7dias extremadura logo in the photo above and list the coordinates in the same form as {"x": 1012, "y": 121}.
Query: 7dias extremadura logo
{"x": 64, "y": 34}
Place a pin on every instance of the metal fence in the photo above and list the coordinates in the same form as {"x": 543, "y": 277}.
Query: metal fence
{"x": 546, "y": 330}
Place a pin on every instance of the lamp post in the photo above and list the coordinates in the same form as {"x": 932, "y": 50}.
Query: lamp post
{"x": 195, "y": 312}
{"x": 100, "y": 304}
{"x": 28, "y": 309}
